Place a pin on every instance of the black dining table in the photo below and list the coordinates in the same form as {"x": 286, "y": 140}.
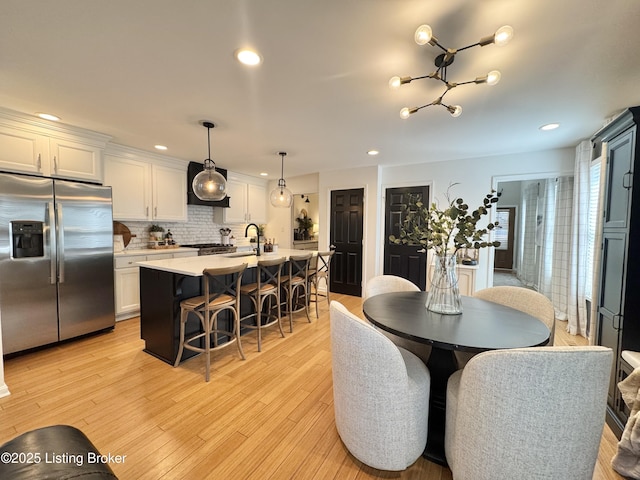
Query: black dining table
{"x": 482, "y": 326}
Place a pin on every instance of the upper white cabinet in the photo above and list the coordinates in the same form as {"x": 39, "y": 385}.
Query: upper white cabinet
{"x": 144, "y": 189}
{"x": 247, "y": 200}
{"x": 51, "y": 150}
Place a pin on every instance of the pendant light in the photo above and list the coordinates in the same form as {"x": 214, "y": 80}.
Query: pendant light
{"x": 209, "y": 185}
{"x": 281, "y": 196}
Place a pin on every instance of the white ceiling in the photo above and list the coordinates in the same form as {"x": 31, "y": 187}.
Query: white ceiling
{"x": 148, "y": 71}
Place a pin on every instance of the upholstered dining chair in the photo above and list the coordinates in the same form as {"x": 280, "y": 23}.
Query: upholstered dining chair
{"x": 380, "y": 394}
{"x": 388, "y": 283}
{"x": 391, "y": 283}
{"x": 523, "y": 299}
{"x": 527, "y": 413}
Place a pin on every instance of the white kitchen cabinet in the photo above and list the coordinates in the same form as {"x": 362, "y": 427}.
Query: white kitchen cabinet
{"x": 127, "y": 280}
{"x": 28, "y": 146}
{"x": 145, "y": 190}
{"x": 247, "y": 202}
{"x": 466, "y": 278}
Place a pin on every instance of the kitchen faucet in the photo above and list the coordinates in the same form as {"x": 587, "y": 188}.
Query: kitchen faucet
{"x": 246, "y": 234}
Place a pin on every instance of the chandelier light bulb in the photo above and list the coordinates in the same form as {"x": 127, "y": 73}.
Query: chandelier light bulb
{"x": 394, "y": 83}
{"x": 503, "y": 35}
{"x": 455, "y": 110}
{"x": 423, "y": 34}
{"x": 493, "y": 77}
{"x": 404, "y": 113}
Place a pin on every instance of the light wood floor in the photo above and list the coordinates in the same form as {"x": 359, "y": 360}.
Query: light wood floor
{"x": 269, "y": 417}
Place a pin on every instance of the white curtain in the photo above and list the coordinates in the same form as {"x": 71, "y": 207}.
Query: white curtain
{"x": 577, "y": 284}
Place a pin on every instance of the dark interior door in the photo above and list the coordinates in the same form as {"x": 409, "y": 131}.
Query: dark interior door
{"x": 406, "y": 261}
{"x": 504, "y": 233}
{"x": 346, "y": 237}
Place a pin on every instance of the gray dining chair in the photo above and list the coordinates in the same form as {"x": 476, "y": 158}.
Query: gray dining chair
{"x": 527, "y": 413}
{"x": 391, "y": 283}
{"x": 380, "y": 394}
{"x": 523, "y": 299}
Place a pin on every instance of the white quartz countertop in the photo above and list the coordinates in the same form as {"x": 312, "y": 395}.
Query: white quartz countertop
{"x": 194, "y": 266}
{"x": 154, "y": 251}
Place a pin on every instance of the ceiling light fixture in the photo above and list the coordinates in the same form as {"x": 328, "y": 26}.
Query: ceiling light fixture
{"x": 281, "y": 196}
{"x": 160, "y": 147}
{"x": 209, "y": 184}
{"x": 424, "y": 35}
{"x": 549, "y": 126}
{"x": 373, "y": 152}
{"x": 48, "y": 116}
{"x": 249, "y": 57}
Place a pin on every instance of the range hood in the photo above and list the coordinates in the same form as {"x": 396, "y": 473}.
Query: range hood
{"x": 193, "y": 169}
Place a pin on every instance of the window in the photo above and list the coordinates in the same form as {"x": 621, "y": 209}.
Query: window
{"x": 501, "y": 232}
{"x": 594, "y": 188}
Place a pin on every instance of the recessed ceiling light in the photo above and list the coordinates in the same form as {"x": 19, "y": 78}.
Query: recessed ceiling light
{"x": 264, "y": 174}
{"x": 247, "y": 56}
{"x": 373, "y": 152}
{"x": 48, "y": 116}
{"x": 549, "y": 126}
{"x": 160, "y": 147}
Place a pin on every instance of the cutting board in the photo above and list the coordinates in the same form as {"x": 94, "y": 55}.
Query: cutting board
{"x": 122, "y": 229}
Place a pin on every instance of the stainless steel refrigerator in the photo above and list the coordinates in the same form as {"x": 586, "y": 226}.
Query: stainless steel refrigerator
{"x": 56, "y": 260}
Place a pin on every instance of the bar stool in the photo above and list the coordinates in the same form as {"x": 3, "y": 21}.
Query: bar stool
{"x": 296, "y": 287}
{"x": 321, "y": 272}
{"x": 221, "y": 292}
{"x": 267, "y": 287}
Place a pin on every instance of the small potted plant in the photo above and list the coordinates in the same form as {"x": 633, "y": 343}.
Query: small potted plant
{"x": 156, "y": 232}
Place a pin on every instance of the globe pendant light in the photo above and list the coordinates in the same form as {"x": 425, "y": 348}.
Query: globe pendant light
{"x": 281, "y": 196}
{"x": 209, "y": 185}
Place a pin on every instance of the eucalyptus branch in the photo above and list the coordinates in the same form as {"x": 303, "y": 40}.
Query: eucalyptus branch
{"x": 443, "y": 229}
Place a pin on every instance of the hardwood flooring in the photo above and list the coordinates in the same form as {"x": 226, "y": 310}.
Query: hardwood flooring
{"x": 268, "y": 417}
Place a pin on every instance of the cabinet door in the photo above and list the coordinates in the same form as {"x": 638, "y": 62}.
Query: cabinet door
{"x": 466, "y": 281}
{"x": 257, "y": 203}
{"x": 127, "y": 282}
{"x": 75, "y": 160}
{"x": 611, "y": 298}
{"x": 237, "y": 211}
{"x": 618, "y": 180}
{"x": 130, "y": 183}
{"x": 21, "y": 151}
{"x": 169, "y": 194}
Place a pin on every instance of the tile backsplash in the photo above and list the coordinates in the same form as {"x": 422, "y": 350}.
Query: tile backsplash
{"x": 200, "y": 228}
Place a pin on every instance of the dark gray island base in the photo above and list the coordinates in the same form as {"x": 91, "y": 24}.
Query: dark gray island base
{"x": 160, "y": 295}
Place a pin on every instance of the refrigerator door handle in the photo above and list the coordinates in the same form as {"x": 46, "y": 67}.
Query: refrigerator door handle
{"x": 60, "y": 241}
{"x": 52, "y": 242}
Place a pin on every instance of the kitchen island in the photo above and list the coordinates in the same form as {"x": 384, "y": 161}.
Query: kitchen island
{"x": 165, "y": 283}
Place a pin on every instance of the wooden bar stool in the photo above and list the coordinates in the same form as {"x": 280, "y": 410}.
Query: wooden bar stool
{"x": 321, "y": 272}
{"x": 296, "y": 287}
{"x": 221, "y": 292}
{"x": 267, "y": 287}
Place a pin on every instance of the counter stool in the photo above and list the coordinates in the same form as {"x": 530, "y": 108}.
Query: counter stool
{"x": 296, "y": 287}
{"x": 321, "y": 272}
{"x": 221, "y": 292}
{"x": 267, "y": 287}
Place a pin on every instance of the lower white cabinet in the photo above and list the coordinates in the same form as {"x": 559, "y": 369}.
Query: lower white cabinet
{"x": 127, "y": 280}
{"x": 466, "y": 278}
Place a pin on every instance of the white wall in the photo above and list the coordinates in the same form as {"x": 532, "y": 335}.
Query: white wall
{"x": 280, "y": 219}
{"x": 367, "y": 178}
{"x": 476, "y": 177}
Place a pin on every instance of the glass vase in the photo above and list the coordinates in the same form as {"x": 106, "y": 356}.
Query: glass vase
{"x": 444, "y": 295}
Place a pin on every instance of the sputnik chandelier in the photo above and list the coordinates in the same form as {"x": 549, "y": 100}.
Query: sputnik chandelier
{"x": 424, "y": 35}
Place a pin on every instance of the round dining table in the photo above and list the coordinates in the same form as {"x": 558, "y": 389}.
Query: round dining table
{"x": 481, "y": 326}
